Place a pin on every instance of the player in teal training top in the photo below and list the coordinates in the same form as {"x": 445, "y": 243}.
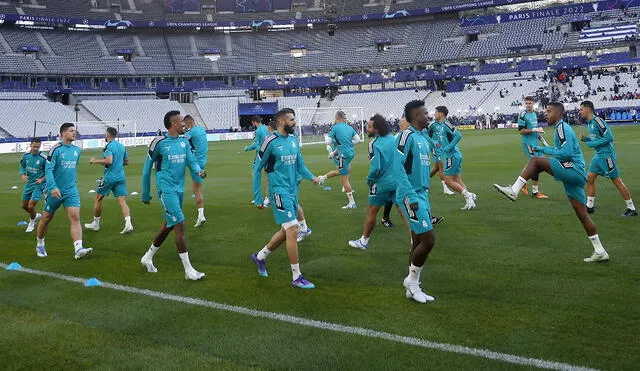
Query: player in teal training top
{"x": 170, "y": 155}
{"x": 435, "y": 136}
{"x": 530, "y": 134}
{"x": 32, "y": 166}
{"x": 567, "y": 166}
{"x": 381, "y": 182}
{"x": 197, "y": 137}
{"x": 62, "y": 190}
{"x": 411, "y": 169}
{"x": 343, "y": 137}
{"x": 114, "y": 159}
{"x": 452, "y": 158}
{"x": 260, "y": 134}
{"x": 280, "y": 157}
{"x": 605, "y": 162}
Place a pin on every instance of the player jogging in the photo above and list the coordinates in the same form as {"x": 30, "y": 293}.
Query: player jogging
{"x": 260, "y": 134}
{"x": 452, "y": 158}
{"x": 411, "y": 167}
{"x": 530, "y": 134}
{"x": 114, "y": 159}
{"x": 567, "y": 166}
{"x": 197, "y": 137}
{"x": 280, "y": 157}
{"x": 435, "y": 133}
{"x": 62, "y": 190}
{"x": 381, "y": 182}
{"x": 343, "y": 137}
{"x": 170, "y": 154}
{"x": 604, "y": 162}
{"x": 32, "y": 172}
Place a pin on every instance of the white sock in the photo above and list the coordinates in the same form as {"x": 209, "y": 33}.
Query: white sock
{"x": 364, "y": 240}
{"x": 295, "y": 271}
{"x": 630, "y": 204}
{"x": 597, "y": 246}
{"x": 350, "y": 197}
{"x": 40, "y": 241}
{"x": 262, "y": 254}
{"x": 96, "y": 220}
{"x": 444, "y": 185}
{"x": 185, "y": 261}
{"x": 77, "y": 245}
{"x": 466, "y": 193}
{"x": 590, "y": 201}
{"x": 31, "y": 221}
{"x": 535, "y": 189}
{"x": 127, "y": 221}
{"x": 201, "y": 213}
{"x": 414, "y": 273}
{"x": 302, "y": 225}
{"x": 151, "y": 252}
{"x": 517, "y": 186}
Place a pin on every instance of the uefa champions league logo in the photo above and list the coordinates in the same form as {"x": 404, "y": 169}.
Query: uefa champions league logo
{"x": 85, "y": 21}
{"x": 2, "y": 16}
{"x": 498, "y": 18}
{"x": 427, "y": 10}
{"x": 595, "y": 7}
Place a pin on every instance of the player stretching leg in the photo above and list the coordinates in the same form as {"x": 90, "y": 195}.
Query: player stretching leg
{"x": 281, "y": 158}
{"x": 453, "y": 158}
{"x": 61, "y": 173}
{"x": 343, "y": 137}
{"x": 171, "y": 154}
{"x": 261, "y": 133}
{"x": 530, "y": 133}
{"x": 115, "y": 158}
{"x": 32, "y": 167}
{"x": 567, "y": 166}
{"x": 411, "y": 168}
{"x": 382, "y": 185}
{"x": 604, "y": 162}
{"x": 197, "y": 137}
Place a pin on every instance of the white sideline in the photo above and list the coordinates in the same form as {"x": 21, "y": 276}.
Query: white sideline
{"x": 452, "y": 348}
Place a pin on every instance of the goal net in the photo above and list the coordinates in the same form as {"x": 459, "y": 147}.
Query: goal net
{"x": 87, "y": 130}
{"x": 314, "y": 123}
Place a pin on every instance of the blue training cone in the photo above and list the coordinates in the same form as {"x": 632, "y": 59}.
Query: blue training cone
{"x": 13, "y": 267}
{"x": 92, "y": 282}
{"x": 21, "y": 223}
{"x": 327, "y": 188}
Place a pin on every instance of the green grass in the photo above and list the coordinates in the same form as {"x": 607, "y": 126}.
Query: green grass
{"x": 508, "y": 277}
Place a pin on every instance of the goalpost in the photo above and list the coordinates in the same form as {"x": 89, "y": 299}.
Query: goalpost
{"x": 87, "y": 129}
{"x": 314, "y": 123}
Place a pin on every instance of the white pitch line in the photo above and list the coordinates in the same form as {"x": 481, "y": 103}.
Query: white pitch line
{"x": 336, "y": 327}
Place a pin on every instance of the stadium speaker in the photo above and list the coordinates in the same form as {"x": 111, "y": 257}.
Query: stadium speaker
{"x": 633, "y": 51}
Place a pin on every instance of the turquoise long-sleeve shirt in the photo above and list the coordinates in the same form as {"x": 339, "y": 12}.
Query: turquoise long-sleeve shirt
{"x": 342, "y": 136}
{"x": 197, "y": 137}
{"x": 61, "y": 168}
{"x": 280, "y": 157}
{"x": 170, "y": 156}
{"x": 450, "y": 140}
{"x": 381, "y": 152}
{"x": 528, "y": 120}
{"x": 435, "y": 134}
{"x": 411, "y": 164}
{"x": 261, "y": 134}
{"x": 566, "y": 148}
{"x": 115, "y": 171}
{"x": 33, "y": 166}
{"x": 600, "y": 137}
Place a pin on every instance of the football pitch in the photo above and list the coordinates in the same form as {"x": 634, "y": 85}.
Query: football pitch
{"x": 512, "y": 291}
